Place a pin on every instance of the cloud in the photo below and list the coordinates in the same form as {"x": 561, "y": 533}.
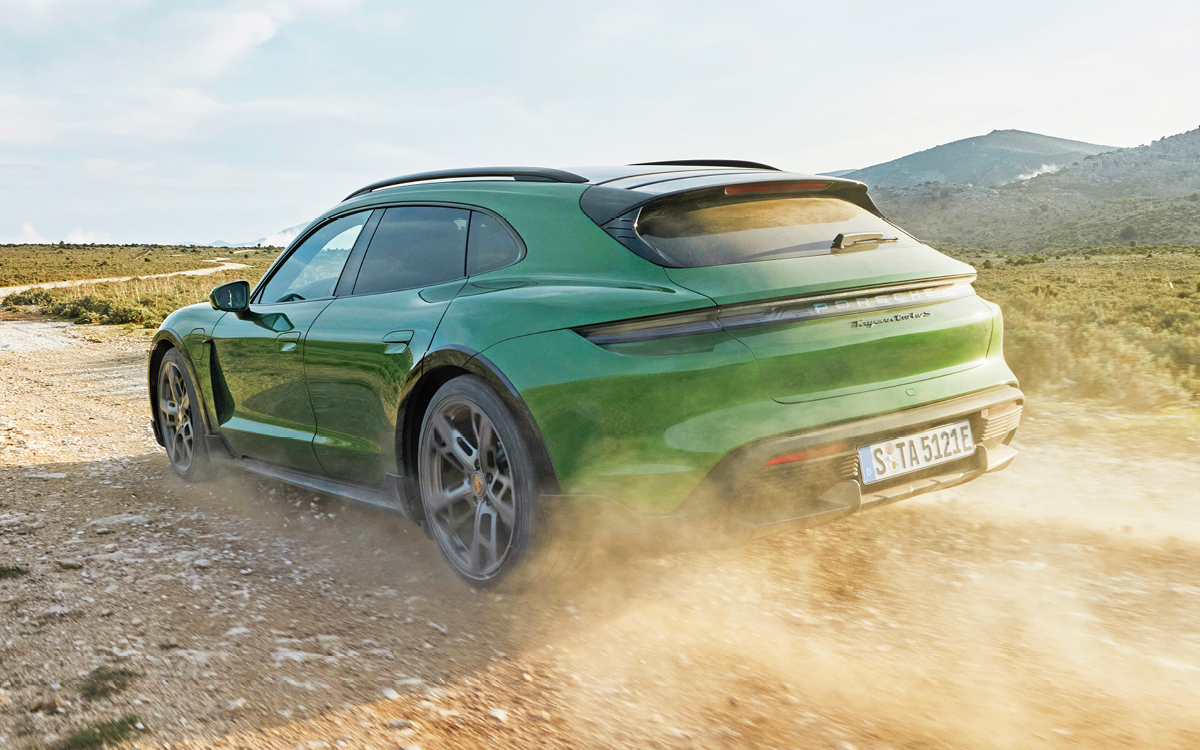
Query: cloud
{"x": 81, "y": 237}
{"x": 207, "y": 44}
{"x": 188, "y": 121}
{"x": 30, "y": 236}
{"x": 26, "y": 119}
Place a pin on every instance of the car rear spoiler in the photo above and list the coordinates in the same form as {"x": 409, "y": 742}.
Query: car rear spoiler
{"x": 602, "y": 204}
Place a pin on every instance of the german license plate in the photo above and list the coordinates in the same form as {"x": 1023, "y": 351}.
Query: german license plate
{"x": 892, "y": 458}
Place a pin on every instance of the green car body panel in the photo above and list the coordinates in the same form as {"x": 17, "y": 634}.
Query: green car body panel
{"x": 314, "y": 384}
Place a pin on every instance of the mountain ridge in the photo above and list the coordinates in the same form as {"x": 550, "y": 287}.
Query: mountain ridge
{"x": 997, "y": 158}
{"x": 1147, "y": 194}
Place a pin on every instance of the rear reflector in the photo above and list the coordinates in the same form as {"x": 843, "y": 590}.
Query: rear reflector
{"x": 825, "y": 450}
{"x": 774, "y": 187}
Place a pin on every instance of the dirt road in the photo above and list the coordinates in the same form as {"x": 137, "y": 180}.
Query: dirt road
{"x": 1054, "y": 605}
{"x": 223, "y": 264}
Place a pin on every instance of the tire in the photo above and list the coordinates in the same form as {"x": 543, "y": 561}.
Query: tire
{"x": 482, "y": 506}
{"x": 179, "y": 420}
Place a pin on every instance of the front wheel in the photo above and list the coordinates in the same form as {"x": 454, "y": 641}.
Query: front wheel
{"x": 179, "y": 420}
{"x": 479, "y": 489}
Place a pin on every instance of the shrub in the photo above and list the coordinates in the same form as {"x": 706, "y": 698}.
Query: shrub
{"x": 104, "y": 681}
{"x": 140, "y": 302}
{"x": 100, "y": 734}
{"x": 30, "y": 297}
{"x": 1083, "y": 328}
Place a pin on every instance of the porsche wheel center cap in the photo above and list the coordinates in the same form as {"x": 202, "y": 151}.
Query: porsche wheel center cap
{"x": 478, "y": 484}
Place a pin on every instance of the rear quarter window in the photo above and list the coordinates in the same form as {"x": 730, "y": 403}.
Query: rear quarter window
{"x": 490, "y": 245}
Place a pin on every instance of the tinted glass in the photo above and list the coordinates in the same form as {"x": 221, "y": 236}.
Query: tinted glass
{"x": 312, "y": 270}
{"x": 415, "y": 246}
{"x": 693, "y": 232}
{"x": 490, "y": 246}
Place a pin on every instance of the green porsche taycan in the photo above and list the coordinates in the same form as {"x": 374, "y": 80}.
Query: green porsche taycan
{"x": 519, "y": 358}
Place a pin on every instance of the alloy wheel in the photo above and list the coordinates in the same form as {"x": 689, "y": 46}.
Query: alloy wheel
{"x": 175, "y": 416}
{"x": 468, "y": 487}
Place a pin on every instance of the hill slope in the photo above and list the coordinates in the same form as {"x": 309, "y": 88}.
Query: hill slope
{"x": 998, "y": 158}
{"x": 1169, "y": 166}
{"x": 1147, "y": 194}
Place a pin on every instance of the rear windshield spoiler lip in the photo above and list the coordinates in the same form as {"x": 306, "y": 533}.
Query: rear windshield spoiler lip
{"x": 603, "y": 204}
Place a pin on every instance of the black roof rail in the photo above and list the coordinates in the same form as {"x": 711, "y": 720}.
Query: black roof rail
{"x": 526, "y": 174}
{"x": 734, "y": 163}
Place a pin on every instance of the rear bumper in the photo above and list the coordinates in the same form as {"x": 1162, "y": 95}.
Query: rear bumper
{"x": 849, "y": 496}
{"x": 745, "y": 471}
{"x": 745, "y": 497}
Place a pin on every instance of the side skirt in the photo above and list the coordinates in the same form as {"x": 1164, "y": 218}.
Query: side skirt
{"x": 376, "y": 498}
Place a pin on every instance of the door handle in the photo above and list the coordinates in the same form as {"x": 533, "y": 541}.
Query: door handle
{"x": 287, "y": 341}
{"x": 398, "y": 337}
{"x": 397, "y": 342}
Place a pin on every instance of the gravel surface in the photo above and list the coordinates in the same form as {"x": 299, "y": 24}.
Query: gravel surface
{"x": 1053, "y": 605}
{"x": 32, "y": 335}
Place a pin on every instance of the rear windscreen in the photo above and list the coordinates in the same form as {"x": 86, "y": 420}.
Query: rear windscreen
{"x": 707, "y": 231}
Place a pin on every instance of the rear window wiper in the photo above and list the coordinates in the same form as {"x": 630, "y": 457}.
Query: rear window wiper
{"x": 846, "y": 243}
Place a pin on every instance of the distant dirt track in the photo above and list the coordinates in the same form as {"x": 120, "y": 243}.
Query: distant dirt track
{"x": 222, "y": 266}
{"x": 1052, "y": 605}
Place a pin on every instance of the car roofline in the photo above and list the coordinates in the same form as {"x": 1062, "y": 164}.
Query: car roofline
{"x": 547, "y": 174}
{"x": 610, "y": 195}
{"x": 729, "y": 163}
{"x": 521, "y": 174}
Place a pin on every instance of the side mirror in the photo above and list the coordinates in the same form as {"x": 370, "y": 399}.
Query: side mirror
{"x": 232, "y": 297}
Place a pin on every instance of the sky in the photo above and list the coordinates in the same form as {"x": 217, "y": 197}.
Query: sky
{"x": 190, "y": 122}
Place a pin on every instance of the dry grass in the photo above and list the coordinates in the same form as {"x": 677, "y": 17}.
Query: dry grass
{"x": 33, "y": 264}
{"x": 143, "y": 302}
{"x": 1122, "y": 326}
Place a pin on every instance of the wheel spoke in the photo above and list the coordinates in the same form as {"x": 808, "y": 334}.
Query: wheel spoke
{"x": 449, "y": 495}
{"x": 500, "y": 496}
{"x": 169, "y": 411}
{"x": 483, "y": 544}
{"x": 454, "y": 446}
{"x": 182, "y": 444}
{"x": 485, "y": 436}
{"x": 457, "y": 519}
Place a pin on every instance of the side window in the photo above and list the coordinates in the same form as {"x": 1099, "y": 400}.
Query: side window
{"x": 490, "y": 246}
{"x": 415, "y": 246}
{"x": 313, "y": 268}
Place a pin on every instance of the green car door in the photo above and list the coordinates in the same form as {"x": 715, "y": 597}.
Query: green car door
{"x": 361, "y": 349}
{"x": 259, "y": 355}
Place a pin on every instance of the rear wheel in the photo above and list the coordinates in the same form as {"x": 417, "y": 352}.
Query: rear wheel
{"x": 479, "y": 490}
{"x": 179, "y": 420}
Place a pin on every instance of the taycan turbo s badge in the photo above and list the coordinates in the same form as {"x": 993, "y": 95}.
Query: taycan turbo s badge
{"x": 872, "y": 322}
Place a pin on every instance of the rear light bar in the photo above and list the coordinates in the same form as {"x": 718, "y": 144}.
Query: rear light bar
{"x": 865, "y": 302}
{"x": 992, "y": 412}
{"x": 822, "y": 452}
{"x": 775, "y": 187}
